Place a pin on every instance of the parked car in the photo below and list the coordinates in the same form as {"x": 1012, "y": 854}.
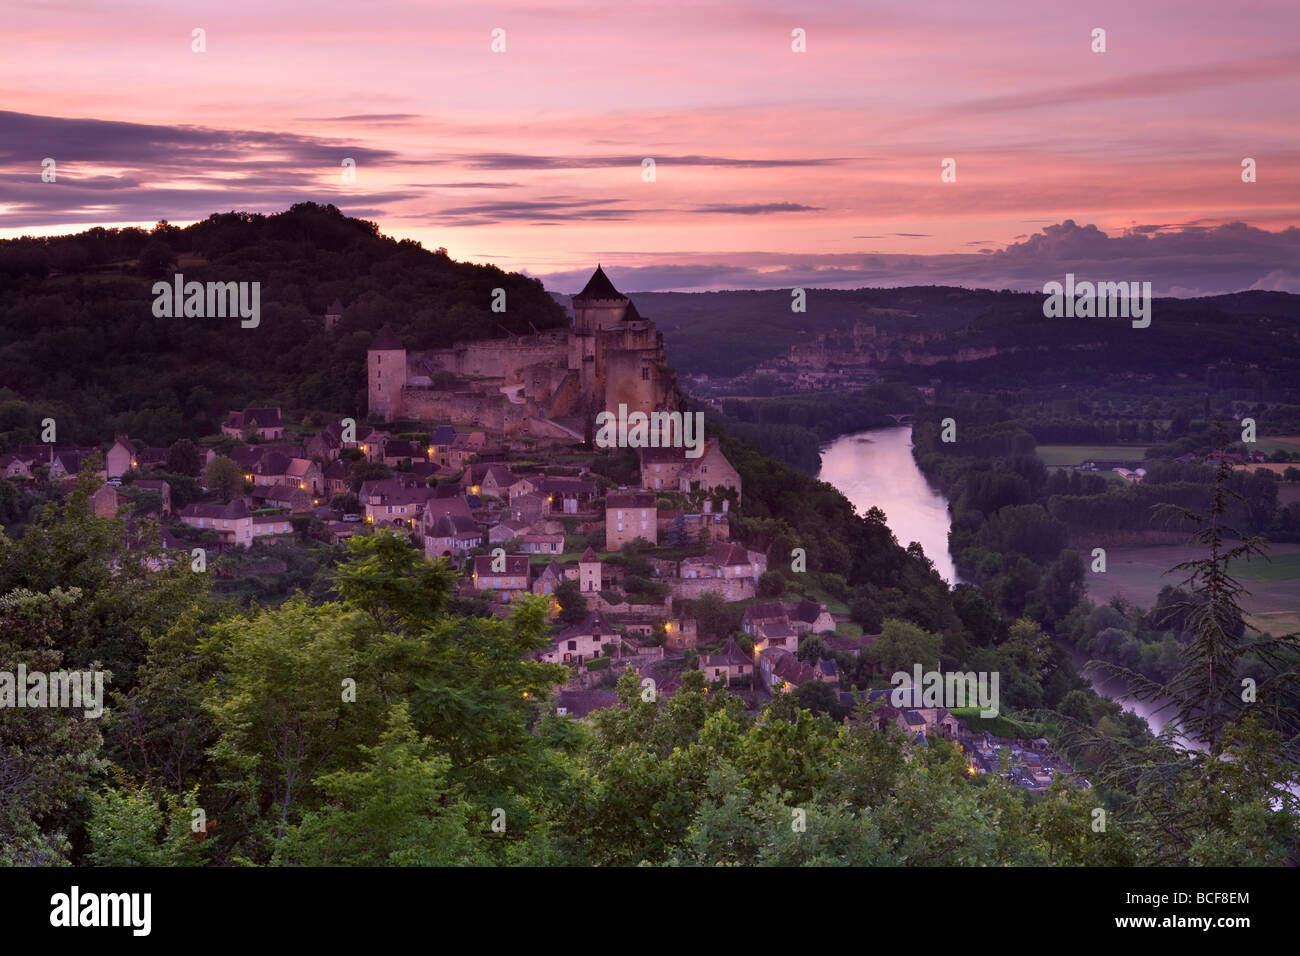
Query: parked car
{"x": 352, "y": 517}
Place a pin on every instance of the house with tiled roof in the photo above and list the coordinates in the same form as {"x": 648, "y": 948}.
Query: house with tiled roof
{"x": 505, "y": 531}
{"x": 452, "y": 536}
{"x": 568, "y": 496}
{"x": 580, "y": 642}
{"x": 810, "y": 617}
{"x": 548, "y": 579}
{"x": 265, "y": 423}
{"x": 731, "y": 663}
{"x": 15, "y": 466}
{"x": 671, "y": 469}
{"x": 120, "y": 457}
{"x": 828, "y": 672}
{"x": 542, "y": 543}
{"x": 67, "y": 463}
{"x": 163, "y": 489}
{"x": 390, "y": 503}
{"x": 232, "y": 522}
{"x": 726, "y": 559}
{"x": 509, "y": 580}
{"x": 581, "y": 704}
{"x": 759, "y": 612}
{"x": 782, "y": 671}
{"x": 436, "y": 506}
{"x": 775, "y": 633}
{"x": 629, "y": 516}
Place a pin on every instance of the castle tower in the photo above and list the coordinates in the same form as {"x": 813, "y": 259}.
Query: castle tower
{"x": 386, "y": 374}
{"x": 599, "y": 305}
{"x": 588, "y": 571}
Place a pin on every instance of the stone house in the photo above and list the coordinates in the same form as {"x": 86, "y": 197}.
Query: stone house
{"x": 583, "y": 641}
{"x": 120, "y": 457}
{"x": 265, "y": 423}
{"x": 510, "y": 583}
{"x": 629, "y": 516}
{"x": 233, "y": 523}
{"x": 452, "y": 536}
{"x": 731, "y": 663}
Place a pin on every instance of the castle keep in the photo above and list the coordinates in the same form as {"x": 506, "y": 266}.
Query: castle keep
{"x": 550, "y": 385}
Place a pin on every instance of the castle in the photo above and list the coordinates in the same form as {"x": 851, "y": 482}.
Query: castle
{"x": 552, "y": 384}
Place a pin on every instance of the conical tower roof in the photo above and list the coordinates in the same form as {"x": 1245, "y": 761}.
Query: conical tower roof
{"x": 385, "y": 340}
{"x": 599, "y": 287}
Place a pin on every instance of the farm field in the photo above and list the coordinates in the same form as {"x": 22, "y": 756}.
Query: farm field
{"x": 1067, "y": 456}
{"x": 1137, "y": 575}
{"x": 1290, "y": 443}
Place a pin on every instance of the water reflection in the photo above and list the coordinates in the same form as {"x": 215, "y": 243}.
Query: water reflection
{"x": 876, "y": 468}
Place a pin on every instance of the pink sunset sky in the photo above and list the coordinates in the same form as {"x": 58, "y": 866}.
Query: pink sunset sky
{"x": 773, "y": 168}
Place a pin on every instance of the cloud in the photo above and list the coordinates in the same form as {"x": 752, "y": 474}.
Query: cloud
{"x": 555, "y": 210}
{"x": 1198, "y": 261}
{"x": 756, "y": 209}
{"x": 525, "y": 161}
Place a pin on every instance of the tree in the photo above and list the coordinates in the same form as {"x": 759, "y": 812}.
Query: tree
{"x": 397, "y": 810}
{"x": 771, "y": 584}
{"x": 280, "y": 711}
{"x": 811, "y": 649}
{"x": 902, "y": 645}
{"x": 677, "y": 536}
{"x": 224, "y": 477}
{"x": 573, "y": 606}
{"x": 866, "y": 612}
{"x": 1235, "y": 801}
{"x": 391, "y": 582}
{"x": 126, "y": 823}
{"x": 346, "y": 503}
{"x": 48, "y": 755}
{"x": 820, "y": 698}
{"x": 184, "y": 458}
{"x": 363, "y": 471}
{"x": 713, "y": 616}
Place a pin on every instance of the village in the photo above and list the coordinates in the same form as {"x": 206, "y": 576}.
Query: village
{"x": 637, "y": 556}
{"x": 625, "y": 543}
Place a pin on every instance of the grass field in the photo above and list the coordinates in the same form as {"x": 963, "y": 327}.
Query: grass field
{"x": 998, "y": 726}
{"x": 1066, "y": 456}
{"x": 1137, "y": 575}
{"x": 1289, "y": 443}
{"x": 1276, "y": 623}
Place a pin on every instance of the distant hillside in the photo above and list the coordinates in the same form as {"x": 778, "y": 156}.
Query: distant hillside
{"x": 79, "y": 341}
{"x": 725, "y": 333}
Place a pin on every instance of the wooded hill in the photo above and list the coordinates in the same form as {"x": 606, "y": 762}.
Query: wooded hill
{"x": 79, "y": 341}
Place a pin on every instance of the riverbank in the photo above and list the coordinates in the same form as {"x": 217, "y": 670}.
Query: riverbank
{"x": 875, "y": 468}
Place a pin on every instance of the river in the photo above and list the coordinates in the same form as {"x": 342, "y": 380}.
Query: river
{"x": 875, "y": 468}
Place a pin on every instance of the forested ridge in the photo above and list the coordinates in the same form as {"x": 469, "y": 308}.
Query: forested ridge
{"x": 79, "y": 341}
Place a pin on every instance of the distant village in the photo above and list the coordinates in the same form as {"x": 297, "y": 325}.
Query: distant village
{"x": 511, "y": 498}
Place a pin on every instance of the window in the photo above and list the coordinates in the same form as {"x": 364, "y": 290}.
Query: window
{"x": 573, "y": 646}
{"x": 645, "y": 373}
